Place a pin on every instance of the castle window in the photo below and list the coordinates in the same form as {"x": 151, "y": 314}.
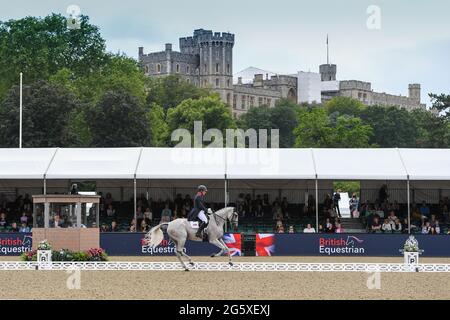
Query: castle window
{"x": 243, "y": 102}
{"x": 188, "y": 81}
{"x": 158, "y": 68}
{"x": 217, "y": 82}
{"x": 204, "y": 68}
{"x": 229, "y": 98}
{"x": 228, "y": 68}
{"x": 178, "y": 68}
{"x": 252, "y": 101}
{"x": 234, "y": 101}
{"x": 146, "y": 69}
{"x": 187, "y": 70}
{"x": 228, "y": 83}
{"x": 269, "y": 102}
{"x": 260, "y": 101}
{"x": 217, "y": 68}
{"x": 205, "y": 82}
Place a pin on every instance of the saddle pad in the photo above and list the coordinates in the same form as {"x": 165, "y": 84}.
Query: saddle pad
{"x": 194, "y": 224}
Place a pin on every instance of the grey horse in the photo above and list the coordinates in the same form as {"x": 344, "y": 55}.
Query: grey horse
{"x": 180, "y": 230}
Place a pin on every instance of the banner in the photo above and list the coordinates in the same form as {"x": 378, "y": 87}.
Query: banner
{"x": 358, "y": 244}
{"x": 15, "y": 243}
{"x": 132, "y": 244}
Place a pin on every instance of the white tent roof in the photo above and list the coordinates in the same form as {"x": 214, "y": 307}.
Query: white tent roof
{"x": 210, "y": 163}
{"x": 427, "y": 164}
{"x": 359, "y": 164}
{"x": 181, "y": 163}
{"x": 270, "y": 164}
{"x": 100, "y": 163}
{"x": 26, "y": 163}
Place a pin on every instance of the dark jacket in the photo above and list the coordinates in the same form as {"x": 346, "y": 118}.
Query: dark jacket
{"x": 199, "y": 205}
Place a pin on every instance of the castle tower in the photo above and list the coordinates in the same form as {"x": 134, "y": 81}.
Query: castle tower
{"x": 414, "y": 92}
{"x": 215, "y": 52}
{"x": 328, "y": 71}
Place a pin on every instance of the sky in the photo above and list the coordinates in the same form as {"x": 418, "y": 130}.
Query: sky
{"x": 401, "y": 42}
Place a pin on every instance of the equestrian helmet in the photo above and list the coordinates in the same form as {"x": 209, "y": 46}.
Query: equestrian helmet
{"x": 202, "y": 188}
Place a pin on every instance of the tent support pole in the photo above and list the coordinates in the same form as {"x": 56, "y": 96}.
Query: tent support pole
{"x": 226, "y": 200}
{"x": 135, "y": 203}
{"x": 409, "y": 205}
{"x": 317, "y": 206}
{"x": 45, "y": 185}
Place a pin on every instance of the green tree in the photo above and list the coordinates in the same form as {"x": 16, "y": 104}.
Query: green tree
{"x": 159, "y": 126}
{"x": 118, "y": 120}
{"x": 211, "y": 111}
{"x": 441, "y": 103}
{"x": 433, "y": 131}
{"x": 46, "y": 116}
{"x": 40, "y": 47}
{"x": 169, "y": 92}
{"x": 392, "y": 127}
{"x": 350, "y": 132}
{"x": 344, "y": 106}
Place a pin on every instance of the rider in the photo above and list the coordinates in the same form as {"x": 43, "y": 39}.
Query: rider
{"x": 200, "y": 208}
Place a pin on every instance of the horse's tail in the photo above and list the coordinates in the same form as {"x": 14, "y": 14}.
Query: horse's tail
{"x": 155, "y": 235}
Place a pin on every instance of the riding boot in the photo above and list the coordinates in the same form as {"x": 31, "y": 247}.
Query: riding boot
{"x": 200, "y": 229}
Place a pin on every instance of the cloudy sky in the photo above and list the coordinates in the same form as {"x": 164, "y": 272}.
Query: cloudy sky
{"x": 412, "y": 44}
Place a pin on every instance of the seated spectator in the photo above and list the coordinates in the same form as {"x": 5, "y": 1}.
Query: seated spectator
{"x": 14, "y": 227}
{"x": 57, "y": 222}
{"x": 396, "y": 226}
{"x": 24, "y": 228}
{"x": 132, "y": 227}
{"x": 328, "y": 226}
{"x": 280, "y": 229}
{"x": 148, "y": 214}
{"x": 166, "y": 214}
{"x": 24, "y": 217}
{"x": 114, "y": 227}
{"x": 426, "y": 228}
{"x": 110, "y": 212}
{"x": 376, "y": 225}
{"x": 437, "y": 228}
{"x": 386, "y": 227}
{"x": 259, "y": 210}
{"x": 392, "y": 216}
{"x": 425, "y": 210}
{"x": 433, "y": 220}
{"x": 144, "y": 226}
{"x": 291, "y": 229}
{"x": 108, "y": 200}
{"x": 309, "y": 229}
{"x": 279, "y": 223}
{"x": 104, "y": 228}
{"x": 339, "y": 228}
{"x": 3, "y": 221}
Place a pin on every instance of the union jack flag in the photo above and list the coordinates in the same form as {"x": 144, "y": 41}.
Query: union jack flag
{"x": 265, "y": 244}
{"x": 233, "y": 242}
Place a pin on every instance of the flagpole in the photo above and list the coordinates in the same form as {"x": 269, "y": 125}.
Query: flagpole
{"x": 328, "y": 52}
{"x": 20, "y": 120}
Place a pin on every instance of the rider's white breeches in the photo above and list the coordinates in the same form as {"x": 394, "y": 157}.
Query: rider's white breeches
{"x": 202, "y": 216}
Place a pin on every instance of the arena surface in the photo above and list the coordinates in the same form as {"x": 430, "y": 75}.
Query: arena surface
{"x": 232, "y": 285}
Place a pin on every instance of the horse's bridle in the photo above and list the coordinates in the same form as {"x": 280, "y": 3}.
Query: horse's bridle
{"x": 225, "y": 219}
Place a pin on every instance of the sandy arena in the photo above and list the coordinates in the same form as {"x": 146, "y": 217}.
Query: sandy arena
{"x": 233, "y": 285}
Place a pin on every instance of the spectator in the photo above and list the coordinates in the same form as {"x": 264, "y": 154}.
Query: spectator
{"x": 24, "y": 218}
{"x": 277, "y": 213}
{"x": 57, "y": 222}
{"x": 139, "y": 213}
{"x": 437, "y": 229}
{"x": 148, "y": 214}
{"x": 178, "y": 203}
{"x": 285, "y": 207}
{"x": 74, "y": 189}
{"x": 144, "y": 226}
{"x": 280, "y": 229}
{"x": 328, "y": 226}
{"x": 132, "y": 227}
{"x": 188, "y": 203}
{"x": 353, "y": 203}
{"x": 24, "y": 228}
{"x": 14, "y": 227}
{"x": 415, "y": 213}
{"x": 386, "y": 227}
{"x": 3, "y": 221}
{"x": 110, "y": 212}
{"x": 426, "y": 228}
{"x": 114, "y": 227}
{"x": 291, "y": 229}
{"x": 104, "y": 228}
{"x": 446, "y": 213}
{"x": 336, "y": 199}
{"x": 392, "y": 216}
{"x": 382, "y": 194}
{"x": 425, "y": 210}
{"x": 279, "y": 224}
{"x": 309, "y": 229}
{"x": 311, "y": 205}
{"x": 108, "y": 200}
{"x": 396, "y": 226}
{"x": 339, "y": 228}
{"x": 433, "y": 220}
{"x": 166, "y": 214}
{"x": 327, "y": 202}
{"x": 259, "y": 210}
{"x": 27, "y": 203}
{"x": 375, "y": 226}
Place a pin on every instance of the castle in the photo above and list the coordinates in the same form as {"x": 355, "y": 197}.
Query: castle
{"x": 206, "y": 60}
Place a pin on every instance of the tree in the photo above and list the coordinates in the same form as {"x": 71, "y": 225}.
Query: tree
{"x": 118, "y": 120}
{"x": 344, "y": 106}
{"x": 46, "y": 115}
{"x": 350, "y": 132}
{"x": 433, "y": 131}
{"x": 159, "y": 126}
{"x": 392, "y": 127}
{"x": 211, "y": 111}
{"x": 40, "y": 47}
{"x": 169, "y": 92}
{"x": 441, "y": 103}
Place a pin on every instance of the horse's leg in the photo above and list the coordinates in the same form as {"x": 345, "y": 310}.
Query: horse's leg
{"x": 188, "y": 257}
{"x": 217, "y": 243}
{"x": 179, "y": 253}
{"x": 228, "y": 251}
